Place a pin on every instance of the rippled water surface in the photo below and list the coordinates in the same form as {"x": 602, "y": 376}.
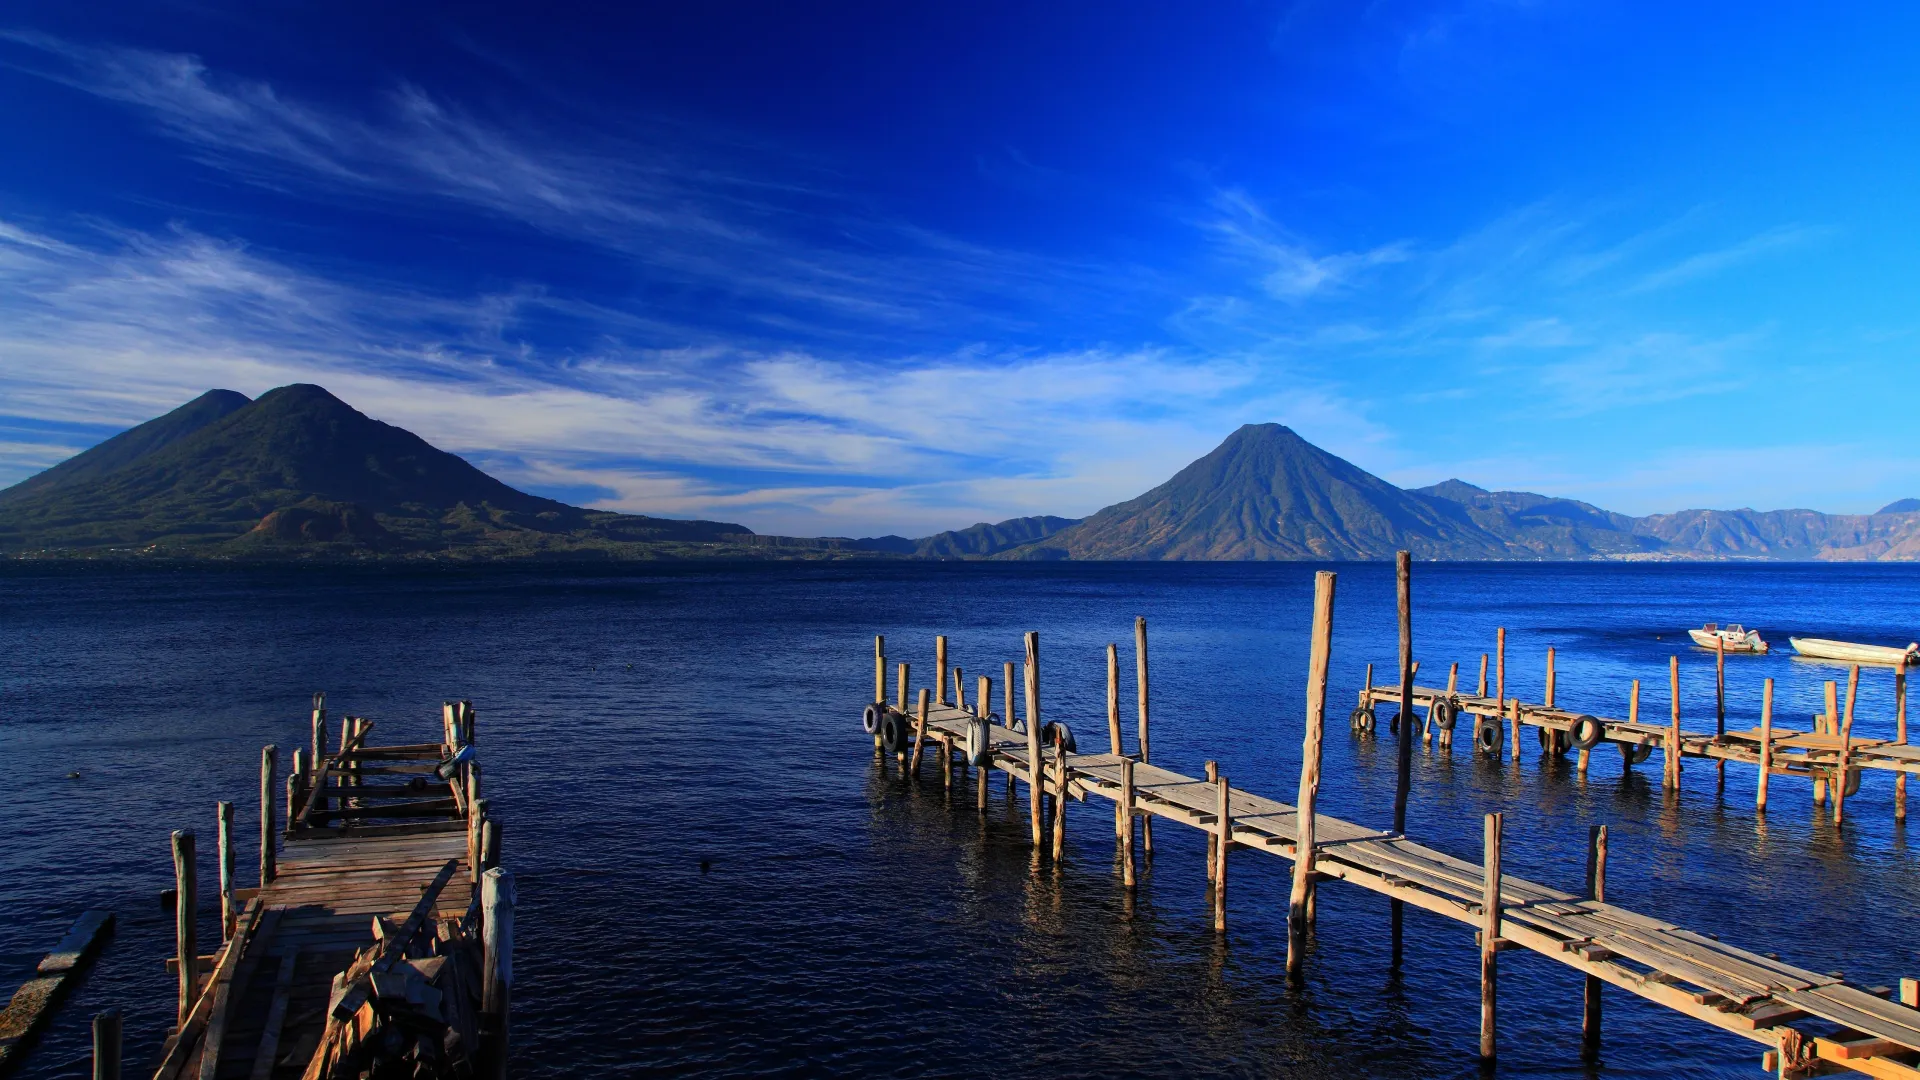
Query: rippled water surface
{"x": 639, "y": 725}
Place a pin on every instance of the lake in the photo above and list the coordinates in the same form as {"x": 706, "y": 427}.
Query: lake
{"x": 715, "y": 878}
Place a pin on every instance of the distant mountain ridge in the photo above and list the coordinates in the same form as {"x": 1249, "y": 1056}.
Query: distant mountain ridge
{"x": 299, "y": 473}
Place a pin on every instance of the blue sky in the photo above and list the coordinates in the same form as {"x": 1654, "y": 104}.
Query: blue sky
{"x": 853, "y": 269}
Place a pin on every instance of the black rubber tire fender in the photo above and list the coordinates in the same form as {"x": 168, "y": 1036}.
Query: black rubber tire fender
{"x": 1054, "y": 733}
{"x": 1553, "y": 741}
{"x": 1586, "y": 732}
{"x": 1486, "y": 735}
{"x": 1446, "y": 713}
{"x": 1636, "y": 753}
{"x": 870, "y": 719}
{"x": 896, "y": 735}
{"x": 1364, "y": 719}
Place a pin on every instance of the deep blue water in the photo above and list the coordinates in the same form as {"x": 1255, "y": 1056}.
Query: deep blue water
{"x": 637, "y": 722}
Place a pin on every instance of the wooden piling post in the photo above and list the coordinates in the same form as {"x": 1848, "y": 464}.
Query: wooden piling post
{"x": 1829, "y": 725}
{"x": 106, "y": 1045}
{"x": 1140, "y": 689}
{"x": 476, "y": 822}
{"x": 940, "y": 663}
{"x": 1034, "y": 786}
{"x": 1482, "y": 691}
{"x": 1900, "y": 736}
{"x": 1224, "y": 841}
{"x": 223, "y": 813}
{"x": 1318, "y": 655}
{"x": 1126, "y": 822}
{"x": 1113, "y": 698}
{"x": 1548, "y": 701}
{"x": 1720, "y": 702}
{"x": 1673, "y": 729}
{"x": 1766, "y": 746}
{"x": 294, "y": 774}
{"x": 901, "y": 672}
{"x": 269, "y": 775}
{"x": 1500, "y": 681}
{"x": 982, "y": 705}
{"x": 1846, "y": 747}
{"x": 489, "y": 843}
{"x": 919, "y": 733}
{"x": 497, "y": 897}
{"x": 1633, "y": 704}
{"x": 319, "y": 749}
{"x": 879, "y": 681}
{"x": 1008, "y": 680}
{"x": 1059, "y": 802}
{"x": 1403, "y": 572}
{"x": 1910, "y": 993}
{"x": 186, "y": 914}
{"x": 1489, "y": 934}
{"x": 1597, "y": 891}
{"x": 1212, "y": 772}
{"x": 959, "y": 689}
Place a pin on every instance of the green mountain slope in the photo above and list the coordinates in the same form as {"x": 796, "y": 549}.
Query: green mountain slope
{"x": 130, "y": 445}
{"x": 299, "y": 468}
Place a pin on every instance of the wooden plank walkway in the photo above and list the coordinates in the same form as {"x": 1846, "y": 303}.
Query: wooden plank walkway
{"x": 365, "y": 870}
{"x": 1748, "y": 993}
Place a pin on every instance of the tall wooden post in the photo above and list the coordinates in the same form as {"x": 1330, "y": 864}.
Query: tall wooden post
{"x": 1009, "y": 681}
{"x": 1482, "y": 691}
{"x": 1140, "y": 689}
{"x": 497, "y": 897}
{"x": 982, "y": 705}
{"x": 223, "y": 813}
{"x": 1846, "y": 747}
{"x": 1212, "y": 772}
{"x": 1059, "y": 802}
{"x": 879, "y": 682}
{"x": 1720, "y": 702}
{"x": 476, "y": 830}
{"x": 269, "y": 780}
{"x": 1830, "y": 725}
{"x": 901, "y": 672}
{"x": 1034, "y": 787}
{"x": 1403, "y": 569}
{"x": 106, "y": 1045}
{"x": 1900, "y": 736}
{"x": 1597, "y": 891}
{"x": 1113, "y": 698}
{"x": 186, "y": 917}
{"x": 1548, "y": 701}
{"x": 1126, "y": 822}
{"x": 319, "y": 750}
{"x": 1489, "y": 934}
{"x": 1766, "y": 746}
{"x": 940, "y": 663}
{"x": 1318, "y": 655}
{"x": 295, "y": 773}
{"x": 1500, "y": 682}
{"x": 1223, "y": 839}
{"x": 919, "y": 734}
{"x": 1673, "y": 729}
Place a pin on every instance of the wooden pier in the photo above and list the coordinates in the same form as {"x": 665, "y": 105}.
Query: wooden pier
{"x": 379, "y": 940}
{"x": 1827, "y": 753}
{"x": 1808, "y": 1022}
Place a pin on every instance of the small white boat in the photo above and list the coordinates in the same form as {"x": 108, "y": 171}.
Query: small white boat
{"x": 1822, "y": 649}
{"x": 1735, "y": 637}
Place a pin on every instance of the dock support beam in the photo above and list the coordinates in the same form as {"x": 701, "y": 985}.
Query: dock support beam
{"x": 186, "y": 911}
{"x": 1140, "y": 684}
{"x": 1596, "y": 890}
{"x": 1034, "y": 786}
{"x": 1489, "y": 937}
{"x": 1299, "y": 901}
{"x": 269, "y": 779}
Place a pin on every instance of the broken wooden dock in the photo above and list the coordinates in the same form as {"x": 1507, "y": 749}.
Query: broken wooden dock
{"x": 1827, "y": 753}
{"x": 1807, "y": 1021}
{"x": 380, "y": 934}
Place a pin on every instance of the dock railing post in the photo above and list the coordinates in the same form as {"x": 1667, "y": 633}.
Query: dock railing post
{"x": 1303, "y": 852}
{"x": 1840, "y": 779}
{"x": 1766, "y": 747}
{"x": 496, "y": 913}
{"x": 223, "y": 812}
{"x": 1140, "y": 686}
{"x": 1489, "y": 935}
{"x": 1900, "y": 736}
{"x": 1673, "y": 729}
{"x": 1597, "y": 891}
{"x": 1034, "y": 786}
{"x": 186, "y": 912}
{"x": 1223, "y": 824}
{"x": 1113, "y": 699}
{"x": 269, "y": 777}
{"x": 106, "y": 1045}
{"x": 940, "y": 664}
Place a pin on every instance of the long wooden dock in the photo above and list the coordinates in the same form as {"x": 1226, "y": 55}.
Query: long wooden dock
{"x": 379, "y": 939}
{"x": 1807, "y": 1021}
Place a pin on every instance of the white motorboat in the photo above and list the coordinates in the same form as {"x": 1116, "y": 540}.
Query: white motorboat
{"x": 1734, "y": 637}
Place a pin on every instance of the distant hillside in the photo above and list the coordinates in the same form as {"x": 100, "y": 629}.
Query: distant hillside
{"x": 301, "y": 471}
{"x": 1537, "y": 526}
{"x": 985, "y": 539}
{"x": 1266, "y": 493}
